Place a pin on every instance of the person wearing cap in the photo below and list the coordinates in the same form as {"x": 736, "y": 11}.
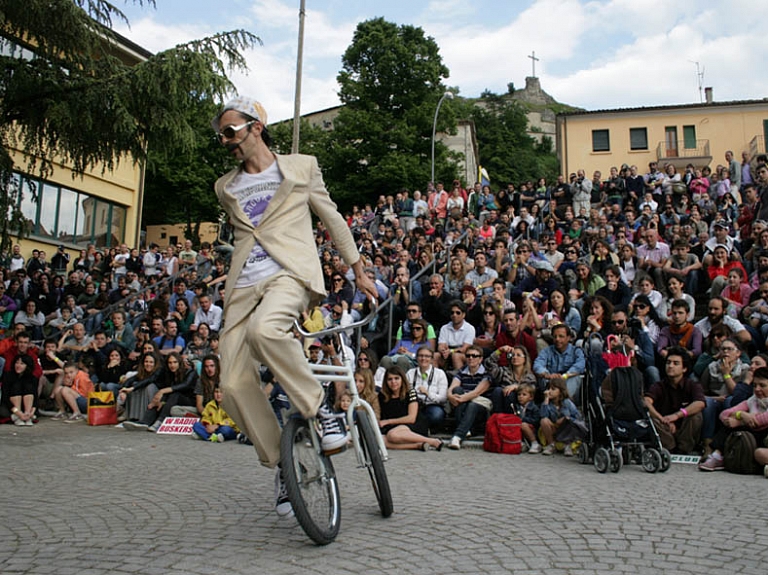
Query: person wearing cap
{"x": 537, "y": 287}
{"x": 719, "y": 237}
{"x": 60, "y": 261}
{"x": 275, "y": 274}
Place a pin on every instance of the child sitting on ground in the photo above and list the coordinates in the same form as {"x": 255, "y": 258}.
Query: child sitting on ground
{"x": 528, "y": 412}
{"x": 343, "y": 401}
{"x": 560, "y": 419}
{"x": 215, "y": 425}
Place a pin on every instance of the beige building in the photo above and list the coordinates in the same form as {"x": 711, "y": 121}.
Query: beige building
{"x": 165, "y": 235}
{"x": 97, "y": 208}
{"x": 698, "y": 134}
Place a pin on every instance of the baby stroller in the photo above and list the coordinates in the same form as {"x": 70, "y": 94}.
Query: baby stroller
{"x": 619, "y": 428}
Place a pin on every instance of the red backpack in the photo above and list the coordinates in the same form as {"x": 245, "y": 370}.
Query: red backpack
{"x": 503, "y": 434}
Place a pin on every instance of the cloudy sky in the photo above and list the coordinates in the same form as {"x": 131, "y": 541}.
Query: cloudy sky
{"x": 593, "y": 53}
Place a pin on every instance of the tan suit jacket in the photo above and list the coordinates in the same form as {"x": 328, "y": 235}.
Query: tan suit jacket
{"x": 285, "y": 230}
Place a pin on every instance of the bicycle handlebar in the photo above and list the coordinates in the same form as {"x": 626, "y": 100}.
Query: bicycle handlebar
{"x": 339, "y": 328}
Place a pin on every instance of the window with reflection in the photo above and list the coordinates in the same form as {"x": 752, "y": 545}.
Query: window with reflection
{"x": 70, "y": 216}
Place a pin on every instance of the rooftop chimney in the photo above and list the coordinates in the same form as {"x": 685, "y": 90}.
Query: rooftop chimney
{"x": 708, "y": 94}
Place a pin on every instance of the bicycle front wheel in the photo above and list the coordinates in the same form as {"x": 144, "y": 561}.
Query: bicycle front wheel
{"x": 374, "y": 462}
{"x": 310, "y": 482}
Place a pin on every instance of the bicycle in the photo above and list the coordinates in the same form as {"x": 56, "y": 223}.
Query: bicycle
{"x": 308, "y": 473}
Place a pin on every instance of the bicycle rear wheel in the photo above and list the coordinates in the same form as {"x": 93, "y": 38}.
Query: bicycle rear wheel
{"x": 310, "y": 482}
{"x": 374, "y": 462}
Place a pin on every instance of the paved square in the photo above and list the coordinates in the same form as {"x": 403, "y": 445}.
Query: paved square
{"x": 80, "y": 500}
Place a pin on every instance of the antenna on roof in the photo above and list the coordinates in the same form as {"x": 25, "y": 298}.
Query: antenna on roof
{"x": 699, "y": 79}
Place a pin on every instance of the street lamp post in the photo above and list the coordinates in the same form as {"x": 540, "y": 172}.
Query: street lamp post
{"x": 448, "y": 95}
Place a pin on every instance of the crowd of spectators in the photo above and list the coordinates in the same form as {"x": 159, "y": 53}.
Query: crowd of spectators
{"x": 495, "y": 302}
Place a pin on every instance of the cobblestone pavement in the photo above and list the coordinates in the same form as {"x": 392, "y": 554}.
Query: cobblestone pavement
{"x": 80, "y": 500}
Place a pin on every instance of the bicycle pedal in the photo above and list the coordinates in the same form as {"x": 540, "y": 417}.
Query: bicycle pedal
{"x": 336, "y": 451}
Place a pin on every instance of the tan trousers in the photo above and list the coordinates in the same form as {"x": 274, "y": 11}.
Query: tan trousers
{"x": 261, "y": 333}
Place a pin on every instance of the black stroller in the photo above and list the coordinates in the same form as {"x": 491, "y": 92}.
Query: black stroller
{"x": 619, "y": 427}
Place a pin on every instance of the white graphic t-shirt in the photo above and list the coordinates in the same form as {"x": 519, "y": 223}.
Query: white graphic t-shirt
{"x": 253, "y": 193}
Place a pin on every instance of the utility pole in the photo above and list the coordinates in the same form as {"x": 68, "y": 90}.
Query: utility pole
{"x": 297, "y": 97}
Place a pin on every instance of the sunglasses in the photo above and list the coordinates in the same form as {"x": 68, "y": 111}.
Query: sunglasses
{"x": 455, "y": 312}
{"x": 230, "y": 131}
{"x": 473, "y": 356}
{"x": 417, "y": 328}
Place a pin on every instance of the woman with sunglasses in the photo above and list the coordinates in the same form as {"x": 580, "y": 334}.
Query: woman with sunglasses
{"x": 341, "y": 290}
{"x": 643, "y": 310}
{"x": 404, "y": 351}
{"x": 469, "y": 394}
{"x": 490, "y": 328}
{"x": 508, "y": 378}
{"x": 368, "y": 359}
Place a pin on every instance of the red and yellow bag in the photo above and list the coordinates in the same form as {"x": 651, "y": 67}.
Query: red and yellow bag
{"x": 102, "y": 408}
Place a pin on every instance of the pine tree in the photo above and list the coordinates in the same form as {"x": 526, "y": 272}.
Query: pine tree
{"x": 69, "y": 93}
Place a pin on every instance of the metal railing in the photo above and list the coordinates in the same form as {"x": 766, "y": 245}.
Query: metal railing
{"x": 756, "y": 146}
{"x": 682, "y": 149}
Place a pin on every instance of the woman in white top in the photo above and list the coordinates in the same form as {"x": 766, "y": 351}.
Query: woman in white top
{"x": 431, "y": 385}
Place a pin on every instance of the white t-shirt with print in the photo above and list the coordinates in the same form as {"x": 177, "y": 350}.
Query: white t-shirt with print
{"x": 254, "y": 192}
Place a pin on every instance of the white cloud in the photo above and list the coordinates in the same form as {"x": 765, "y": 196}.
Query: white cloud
{"x": 643, "y": 58}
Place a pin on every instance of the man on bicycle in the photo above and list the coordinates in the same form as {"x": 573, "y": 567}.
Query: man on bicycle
{"x": 274, "y": 275}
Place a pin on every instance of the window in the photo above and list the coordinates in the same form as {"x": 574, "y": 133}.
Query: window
{"x": 70, "y": 216}
{"x": 638, "y": 138}
{"x": 689, "y": 137}
{"x": 601, "y": 141}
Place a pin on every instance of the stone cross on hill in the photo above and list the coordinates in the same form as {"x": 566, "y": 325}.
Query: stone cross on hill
{"x": 534, "y": 59}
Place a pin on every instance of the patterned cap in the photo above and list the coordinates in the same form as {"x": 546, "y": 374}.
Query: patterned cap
{"x": 246, "y": 106}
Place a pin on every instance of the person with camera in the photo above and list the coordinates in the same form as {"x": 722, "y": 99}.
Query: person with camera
{"x": 581, "y": 192}
{"x": 633, "y": 338}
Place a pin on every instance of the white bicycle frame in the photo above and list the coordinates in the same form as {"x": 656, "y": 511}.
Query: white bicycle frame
{"x": 344, "y": 373}
{"x": 333, "y": 373}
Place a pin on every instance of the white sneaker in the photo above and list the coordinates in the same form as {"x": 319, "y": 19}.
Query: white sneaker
{"x": 535, "y": 447}
{"x": 333, "y": 429}
{"x": 455, "y": 442}
{"x": 568, "y": 451}
{"x": 283, "y": 506}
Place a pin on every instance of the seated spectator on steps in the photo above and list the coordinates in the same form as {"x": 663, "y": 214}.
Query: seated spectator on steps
{"x": 402, "y": 426}
{"x": 404, "y": 351}
{"x": 431, "y": 386}
{"x": 676, "y": 403}
{"x": 469, "y": 394}
{"x": 73, "y": 393}
{"x": 20, "y": 385}
{"x": 214, "y": 424}
{"x": 750, "y": 415}
{"x": 175, "y": 387}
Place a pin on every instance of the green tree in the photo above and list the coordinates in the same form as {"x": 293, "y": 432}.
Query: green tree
{"x": 391, "y": 81}
{"x": 506, "y": 150}
{"x": 179, "y": 187}
{"x": 68, "y": 93}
